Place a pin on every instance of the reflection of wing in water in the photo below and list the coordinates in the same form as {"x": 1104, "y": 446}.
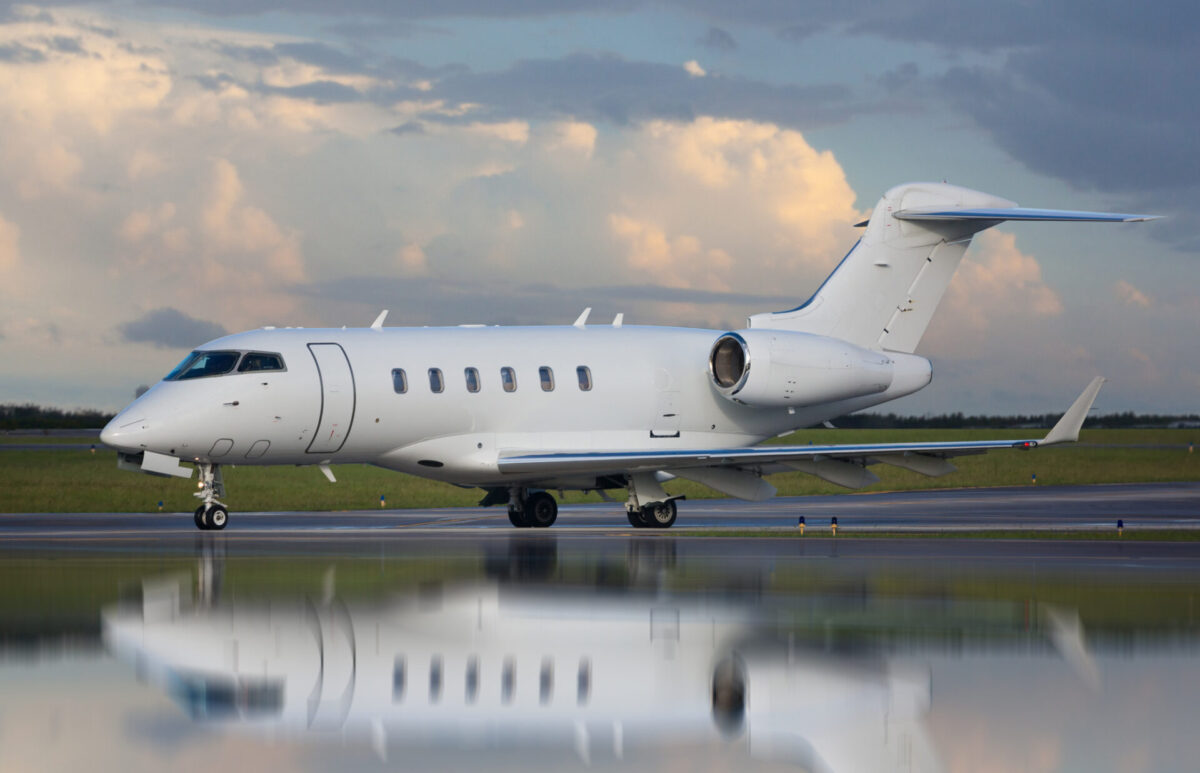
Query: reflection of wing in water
{"x": 491, "y": 663}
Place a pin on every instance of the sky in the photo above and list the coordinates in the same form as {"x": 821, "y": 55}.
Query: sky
{"x": 173, "y": 171}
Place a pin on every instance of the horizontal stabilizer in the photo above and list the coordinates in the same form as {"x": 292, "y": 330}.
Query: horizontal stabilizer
{"x": 1019, "y": 213}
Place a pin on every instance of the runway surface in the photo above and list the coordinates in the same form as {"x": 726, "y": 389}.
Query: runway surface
{"x": 700, "y": 529}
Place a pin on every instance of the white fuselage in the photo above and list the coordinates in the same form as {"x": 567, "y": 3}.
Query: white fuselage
{"x": 650, "y": 388}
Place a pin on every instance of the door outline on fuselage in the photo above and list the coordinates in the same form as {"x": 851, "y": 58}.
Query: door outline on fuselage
{"x": 321, "y": 378}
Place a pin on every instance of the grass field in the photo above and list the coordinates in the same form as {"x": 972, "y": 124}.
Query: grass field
{"x": 80, "y": 481}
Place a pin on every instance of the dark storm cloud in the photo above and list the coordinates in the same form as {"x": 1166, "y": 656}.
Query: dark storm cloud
{"x": 321, "y": 92}
{"x": 320, "y": 55}
{"x": 169, "y": 329}
{"x": 409, "y": 127}
{"x": 20, "y": 54}
{"x": 411, "y": 9}
{"x": 606, "y": 87}
{"x": 718, "y": 40}
{"x": 263, "y": 56}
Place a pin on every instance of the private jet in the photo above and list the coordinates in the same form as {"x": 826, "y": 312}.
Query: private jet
{"x": 521, "y": 411}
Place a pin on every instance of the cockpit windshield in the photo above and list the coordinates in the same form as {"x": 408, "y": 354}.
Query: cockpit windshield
{"x": 201, "y": 364}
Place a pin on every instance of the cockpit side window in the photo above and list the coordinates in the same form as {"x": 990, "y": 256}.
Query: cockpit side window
{"x": 204, "y": 364}
{"x": 255, "y": 361}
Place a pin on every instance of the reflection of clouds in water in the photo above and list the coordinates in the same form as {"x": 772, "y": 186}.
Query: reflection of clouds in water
{"x": 77, "y": 712}
{"x": 1010, "y": 712}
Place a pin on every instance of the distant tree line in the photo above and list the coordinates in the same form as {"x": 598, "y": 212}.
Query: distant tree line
{"x": 1127, "y": 419}
{"x": 30, "y": 416}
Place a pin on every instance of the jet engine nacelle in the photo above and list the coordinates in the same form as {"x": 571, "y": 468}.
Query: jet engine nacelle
{"x": 776, "y": 368}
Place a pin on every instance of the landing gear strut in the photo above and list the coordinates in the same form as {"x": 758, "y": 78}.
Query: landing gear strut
{"x": 537, "y": 510}
{"x": 212, "y": 515}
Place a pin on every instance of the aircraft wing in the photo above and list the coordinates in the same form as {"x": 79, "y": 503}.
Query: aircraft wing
{"x": 928, "y": 458}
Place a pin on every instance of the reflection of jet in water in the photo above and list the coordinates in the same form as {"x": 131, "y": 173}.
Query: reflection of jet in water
{"x": 501, "y": 665}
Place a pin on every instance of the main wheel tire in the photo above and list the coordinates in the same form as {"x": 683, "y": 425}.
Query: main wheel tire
{"x": 199, "y": 518}
{"x": 660, "y": 515}
{"x": 218, "y": 517}
{"x": 635, "y": 518}
{"x": 517, "y": 518}
{"x": 541, "y": 511}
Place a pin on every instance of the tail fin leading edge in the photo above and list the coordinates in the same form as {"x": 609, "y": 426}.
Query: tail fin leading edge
{"x": 884, "y": 292}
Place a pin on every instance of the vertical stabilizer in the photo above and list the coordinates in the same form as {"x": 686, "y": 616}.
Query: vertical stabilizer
{"x": 884, "y": 292}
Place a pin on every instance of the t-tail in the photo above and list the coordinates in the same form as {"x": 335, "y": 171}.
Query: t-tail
{"x": 884, "y": 292}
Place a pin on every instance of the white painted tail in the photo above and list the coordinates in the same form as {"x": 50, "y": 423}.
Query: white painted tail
{"x": 884, "y": 292}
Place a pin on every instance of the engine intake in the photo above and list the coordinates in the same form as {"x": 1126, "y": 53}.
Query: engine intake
{"x": 775, "y": 368}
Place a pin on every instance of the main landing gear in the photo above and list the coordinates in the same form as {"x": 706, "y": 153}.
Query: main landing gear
{"x": 653, "y": 515}
{"x": 537, "y": 510}
{"x": 212, "y": 515}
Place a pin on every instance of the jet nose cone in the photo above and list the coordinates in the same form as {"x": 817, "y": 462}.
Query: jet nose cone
{"x": 120, "y": 432}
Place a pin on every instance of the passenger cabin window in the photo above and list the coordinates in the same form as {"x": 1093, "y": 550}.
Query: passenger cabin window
{"x": 472, "y": 679}
{"x": 436, "y": 382}
{"x": 435, "y": 679}
{"x": 256, "y": 361}
{"x": 546, "y": 681}
{"x": 204, "y": 364}
{"x": 508, "y": 679}
{"x": 472, "y": 379}
{"x": 583, "y": 685}
{"x": 508, "y": 377}
{"x": 399, "y": 381}
{"x": 398, "y": 680}
{"x": 546, "y": 376}
{"x": 584, "y": 374}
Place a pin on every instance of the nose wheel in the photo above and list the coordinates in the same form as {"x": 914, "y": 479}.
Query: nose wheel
{"x": 212, "y": 515}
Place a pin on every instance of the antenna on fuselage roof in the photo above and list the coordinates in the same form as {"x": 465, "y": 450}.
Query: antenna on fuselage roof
{"x": 583, "y": 317}
{"x": 619, "y": 319}
{"x": 378, "y": 323}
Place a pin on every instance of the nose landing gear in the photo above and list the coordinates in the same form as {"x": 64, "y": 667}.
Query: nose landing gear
{"x": 212, "y": 515}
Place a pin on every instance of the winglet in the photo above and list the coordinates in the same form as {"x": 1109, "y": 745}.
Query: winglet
{"x": 378, "y": 323}
{"x": 1067, "y": 428}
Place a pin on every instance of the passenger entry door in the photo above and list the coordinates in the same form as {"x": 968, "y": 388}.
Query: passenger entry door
{"x": 337, "y": 398}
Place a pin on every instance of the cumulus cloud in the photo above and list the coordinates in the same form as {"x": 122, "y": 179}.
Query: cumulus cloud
{"x": 997, "y": 284}
{"x": 9, "y": 255}
{"x": 169, "y": 328}
{"x": 679, "y": 261}
{"x": 693, "y": 68}
{"x": 761, "y": 172}
{"x": 578, "y": 136}
{"x": 1131, "y": 296}
{"x": 1002, "y": 334}
{"x": 91, "y": 81}
{"x": 236, "y": 227}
